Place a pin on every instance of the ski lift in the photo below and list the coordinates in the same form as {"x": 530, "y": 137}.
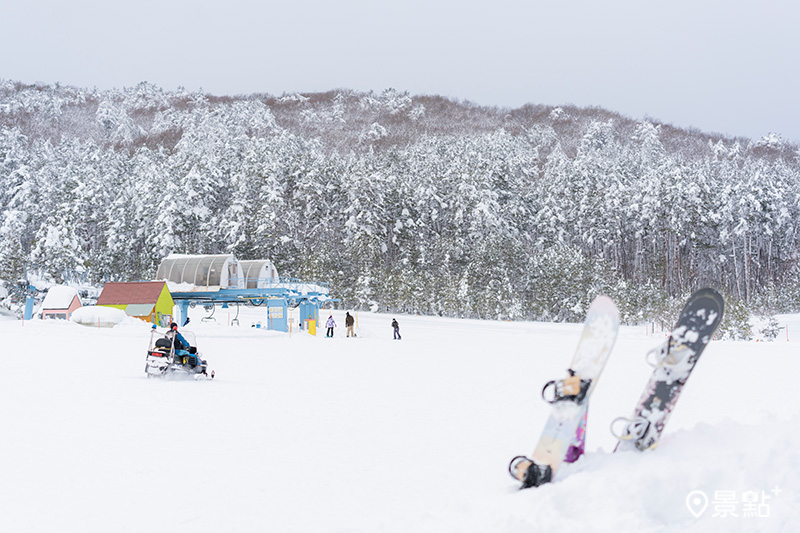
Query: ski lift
{"x": 209, "y": 308}
{"x": 235, "y": 321}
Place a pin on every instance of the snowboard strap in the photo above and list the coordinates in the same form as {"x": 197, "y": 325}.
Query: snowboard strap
{"x": 571, "y": 385}
{"x": 537, "y": 475}
{"x": 571, "y": 388}
{"x": 633, "y": 430}
{"x": 660, "y": 356}
{"x": 529, "y": 473}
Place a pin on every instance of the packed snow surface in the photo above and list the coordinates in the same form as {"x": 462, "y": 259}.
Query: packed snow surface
{"x": 301, "y": 433}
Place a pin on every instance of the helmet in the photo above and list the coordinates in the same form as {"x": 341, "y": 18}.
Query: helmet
{"x": 173, "y": 326}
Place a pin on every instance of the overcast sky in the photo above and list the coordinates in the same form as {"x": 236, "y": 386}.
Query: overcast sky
{"x": 725, "y": 66}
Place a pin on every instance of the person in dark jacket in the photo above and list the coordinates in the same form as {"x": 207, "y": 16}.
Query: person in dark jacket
{"x": 396, "y": 328}
{"x": 349, "y": 322}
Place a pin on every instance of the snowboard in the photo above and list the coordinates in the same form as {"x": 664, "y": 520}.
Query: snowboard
{"x": 570, "y": 397}
{"x": 673, "y": 363}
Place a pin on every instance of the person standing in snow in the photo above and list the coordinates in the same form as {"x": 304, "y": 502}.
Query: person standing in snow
{"x": 330, "y": 324}
{"x": 396, "y": 328}
{"x": 349, "y": 322}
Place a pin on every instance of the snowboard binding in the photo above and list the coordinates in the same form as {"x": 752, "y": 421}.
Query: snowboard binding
{"x": 571, "y": 388}
{"x": 669, "y": 353}
{"x": 529, "y": 473}
{"x": 634, "y": 429}
{"x": 661, "y": 356}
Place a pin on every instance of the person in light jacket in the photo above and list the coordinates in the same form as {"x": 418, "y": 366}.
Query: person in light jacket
{"x": 330, "y": 324}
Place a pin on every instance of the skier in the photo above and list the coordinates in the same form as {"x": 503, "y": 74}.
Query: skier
{"x": 396, "y": 327}
{"x": 349, "y": 321}
{"x": 330, "y": 324}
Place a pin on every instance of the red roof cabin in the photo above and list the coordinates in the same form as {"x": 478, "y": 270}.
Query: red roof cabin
{"x": 60, "y": 302}
{"x": 147, "y": 300}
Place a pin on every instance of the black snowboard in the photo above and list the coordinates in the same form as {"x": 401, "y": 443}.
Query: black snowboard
{"x": 673, "y": 363}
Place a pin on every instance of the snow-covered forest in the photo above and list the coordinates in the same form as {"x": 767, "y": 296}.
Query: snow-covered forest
{"x": 403, "y": 203}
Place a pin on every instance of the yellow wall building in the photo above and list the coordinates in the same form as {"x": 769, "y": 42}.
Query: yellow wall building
{"x": 147, "y": 300}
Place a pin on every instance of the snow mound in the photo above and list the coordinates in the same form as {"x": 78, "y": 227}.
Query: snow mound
{"x": 100, "y": 317}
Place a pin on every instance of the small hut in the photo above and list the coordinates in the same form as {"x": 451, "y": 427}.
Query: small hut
{"x": 147, "y": 300}
{"x": 60, "y": 302}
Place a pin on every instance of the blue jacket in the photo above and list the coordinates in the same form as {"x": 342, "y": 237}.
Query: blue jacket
{"x": 181, "y": 339}
{"x": 181, "y": 344}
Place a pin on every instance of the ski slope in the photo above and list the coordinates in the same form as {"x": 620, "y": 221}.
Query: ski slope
{"x": 302, "y": 433}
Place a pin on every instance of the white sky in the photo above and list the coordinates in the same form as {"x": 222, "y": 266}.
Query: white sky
{"x": 726, "y": 66}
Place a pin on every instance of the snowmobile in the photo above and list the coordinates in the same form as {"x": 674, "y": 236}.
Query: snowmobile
{"x": 166, "y": 360}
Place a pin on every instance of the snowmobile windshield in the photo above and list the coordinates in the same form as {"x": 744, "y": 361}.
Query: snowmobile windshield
{"x": 189, "y": 336}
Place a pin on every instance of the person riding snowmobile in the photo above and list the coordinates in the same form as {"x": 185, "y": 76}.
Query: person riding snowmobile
{"x": 173, "y": 356}
{"x": 182, "y": 346}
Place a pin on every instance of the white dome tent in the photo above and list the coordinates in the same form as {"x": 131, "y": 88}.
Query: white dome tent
{"x": 258, "y": 273}
{"x": 200, "y": 271}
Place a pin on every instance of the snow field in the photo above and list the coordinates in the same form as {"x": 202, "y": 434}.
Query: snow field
{"x": 369, "y": 434}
